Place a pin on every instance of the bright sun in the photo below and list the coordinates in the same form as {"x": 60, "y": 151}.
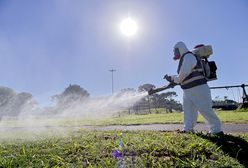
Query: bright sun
{"x": 128, "y": 27}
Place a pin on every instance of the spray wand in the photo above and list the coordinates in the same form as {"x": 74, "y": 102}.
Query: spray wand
{"x": 171, "y": 84}
{"x": 159, "y": 89}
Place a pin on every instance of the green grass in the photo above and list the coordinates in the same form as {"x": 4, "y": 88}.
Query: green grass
{"x": 143, "y": 119}
{"x": 225, "y": 116}
{"x": 161, "y": 118}
{"x": 73, "y": 147}
{"x": 125, "y": 119}
{"x": 141, "y": 149}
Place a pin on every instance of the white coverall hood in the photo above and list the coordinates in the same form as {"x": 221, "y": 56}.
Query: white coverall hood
{"x": 181, "y": 47}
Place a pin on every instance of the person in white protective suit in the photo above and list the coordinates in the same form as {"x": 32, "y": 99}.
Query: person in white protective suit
{"x": 196, "y": 92}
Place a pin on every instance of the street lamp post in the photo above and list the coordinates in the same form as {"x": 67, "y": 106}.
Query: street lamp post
{"x": 112, "y": 73}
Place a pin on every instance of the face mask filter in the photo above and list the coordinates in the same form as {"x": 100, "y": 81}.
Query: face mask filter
{"x": 176, "y": 54}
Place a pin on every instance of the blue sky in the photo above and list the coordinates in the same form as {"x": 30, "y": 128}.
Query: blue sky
{"x": 47, "y": 45}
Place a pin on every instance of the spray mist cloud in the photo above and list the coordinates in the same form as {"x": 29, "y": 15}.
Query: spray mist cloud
{"x": 21, "y": 111}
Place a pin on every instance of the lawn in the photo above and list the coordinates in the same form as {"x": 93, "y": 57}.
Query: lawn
{"x": 225, "y": 116}
{"x": 63, "y": 146}
{"x": 126, "y": 119}
{"x": 161, "y": 118}
{"x": 84, "y": 148}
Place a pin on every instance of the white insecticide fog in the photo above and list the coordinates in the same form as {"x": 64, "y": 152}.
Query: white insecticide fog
{"x": 35, "y": 119}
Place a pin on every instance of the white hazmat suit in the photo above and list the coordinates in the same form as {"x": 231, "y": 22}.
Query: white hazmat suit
{"x": 196, "y": 98}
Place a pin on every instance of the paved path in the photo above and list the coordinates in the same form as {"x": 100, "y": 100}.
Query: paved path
{"x": 227, "y": 128}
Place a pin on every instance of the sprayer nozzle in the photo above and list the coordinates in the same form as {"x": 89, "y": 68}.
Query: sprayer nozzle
{"x": 151, "y": 91}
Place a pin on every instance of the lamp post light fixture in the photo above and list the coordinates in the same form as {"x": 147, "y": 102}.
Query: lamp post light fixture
{"x": 112, "y": 73}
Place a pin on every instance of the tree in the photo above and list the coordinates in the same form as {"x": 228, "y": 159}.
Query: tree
{"x": 5, "y": 95}
{"x": 20, "y": 102}
{"x": 225, "y": 103}
{"x": 13, "y": 103}
{"x": 169, "y": 95}
{"x": 162, "y": 100}
{"x": 145, "y": 102}
{"x": 75, "y": 90}
{"x": 145, "y": 87}
{"x": 128, "y": 90}
{"x": 165, "y": 100}
{"x": 125, "y": 91}
{"x": 173, "y": 105}
{"x": 72, "y": 94}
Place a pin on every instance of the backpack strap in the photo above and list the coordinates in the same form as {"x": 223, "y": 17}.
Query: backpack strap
{"x": 196, "y": 68}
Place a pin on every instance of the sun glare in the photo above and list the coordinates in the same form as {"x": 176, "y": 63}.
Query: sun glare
{"x": 128, "y": 27}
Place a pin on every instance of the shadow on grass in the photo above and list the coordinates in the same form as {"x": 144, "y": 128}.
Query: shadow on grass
{"x": 233, "y": 146}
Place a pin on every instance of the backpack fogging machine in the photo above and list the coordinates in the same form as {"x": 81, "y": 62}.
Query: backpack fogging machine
{"x": 203, "y": 52}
